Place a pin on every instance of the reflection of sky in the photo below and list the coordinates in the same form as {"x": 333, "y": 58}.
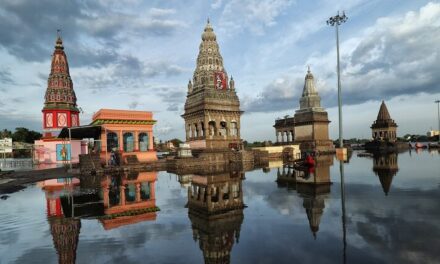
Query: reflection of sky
{"x": 402, "y": 227}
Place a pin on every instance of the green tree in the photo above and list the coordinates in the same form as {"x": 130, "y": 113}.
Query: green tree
{"x": 23, "y": 134}
{"x": 176, "y": 142}
{"x": 5, "y": 133}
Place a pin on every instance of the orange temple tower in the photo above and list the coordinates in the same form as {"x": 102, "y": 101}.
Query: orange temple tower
{"x": 60, "y": 109}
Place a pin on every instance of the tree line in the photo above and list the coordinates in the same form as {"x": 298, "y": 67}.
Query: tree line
{"x": 21, "y": 134}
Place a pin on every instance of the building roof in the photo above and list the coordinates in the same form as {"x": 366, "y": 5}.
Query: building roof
{"x": 383, "y": 118}
{"x": 115, "y": 116}
{"x": 383, "y": 112}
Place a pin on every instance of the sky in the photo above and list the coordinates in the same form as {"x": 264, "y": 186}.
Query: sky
{"x": 139, "y": 55}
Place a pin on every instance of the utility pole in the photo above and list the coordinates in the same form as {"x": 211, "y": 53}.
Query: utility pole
{"x": 438, "y": 116}
{"x": 337, "y": 21}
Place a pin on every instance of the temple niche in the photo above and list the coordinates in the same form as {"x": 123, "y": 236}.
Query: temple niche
{"x": 385, "y": 166}
{"x": 215, "y": 208}
{"x": 212, "y": 108}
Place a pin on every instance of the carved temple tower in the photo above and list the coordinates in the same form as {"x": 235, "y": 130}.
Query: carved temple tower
{"x": 60, "y": 109}
{"x": 311, "y": 120}
{"x": 212, "y": 108}
{"x": 384, "y": 128}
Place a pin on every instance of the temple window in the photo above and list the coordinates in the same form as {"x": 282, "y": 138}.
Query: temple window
{"x": 143, "y": 142}
{"x": 234, "y": 129}
{"x": 202, "y": 128}
{"x": 196, "y": 130}
{"x": 130, "y": 192}
{"x": 145, "y": 191}
{"x": 128, "y": 142}
{"x": 222, "y": 131}
{"x": 190, "y": 131}
{"x": 215, "y": 194}
{"x": 212, "y": 128}
{"x": 112, "y": 141}
{"x": 210, "y": 61}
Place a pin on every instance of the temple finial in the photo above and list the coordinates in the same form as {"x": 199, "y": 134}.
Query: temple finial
{"x": 308, "y": 68}
{"x": 207, "y": 21}
{"x": 58, "y": 32}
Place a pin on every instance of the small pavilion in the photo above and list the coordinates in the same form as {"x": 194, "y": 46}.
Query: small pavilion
{"x": 384, "y": 128}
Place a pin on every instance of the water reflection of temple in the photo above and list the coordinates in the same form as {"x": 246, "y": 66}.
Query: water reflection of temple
{"x": 312, "y": 184}
{"x": 128, "y": 199}
{"x": 215, "y": 208}
{"x": 385, "y": 166}
{"x": 65, "y": 230}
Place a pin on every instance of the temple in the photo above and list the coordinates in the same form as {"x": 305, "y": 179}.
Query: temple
{"x": 384, "y": 133}
{"x": 384, "y": 128}
{"x": 311, "y": 120}
{"x": 60, "y": 111}
{"x": 212, "y": 108}
{"x": 309, "y": 126}
{"x": 215, "y": 208}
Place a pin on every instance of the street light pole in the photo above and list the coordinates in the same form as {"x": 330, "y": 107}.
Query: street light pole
{"x": 438, "y": 116}
{"x": 337, "y": 21}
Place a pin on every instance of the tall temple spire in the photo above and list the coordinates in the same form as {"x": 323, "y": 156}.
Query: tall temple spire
{"x": 60, "y": 108}
{"x": 209, "y": 72}
{"x": 310, "y": 99}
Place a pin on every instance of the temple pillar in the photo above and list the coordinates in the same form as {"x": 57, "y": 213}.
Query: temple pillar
{"x": 152, "y": 190}
{"x": 121, "y": 141}
{"x": 106, "y": 196}
{"x": 136, "y": 140}
{"x": 122, "y": 194}
{"x": 138, "y": 192}
{"x": 150, "y": 141}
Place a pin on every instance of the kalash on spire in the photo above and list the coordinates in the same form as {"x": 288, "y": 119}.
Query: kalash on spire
{"x": 60, "y": 109}
{"x": 212, "y": 108}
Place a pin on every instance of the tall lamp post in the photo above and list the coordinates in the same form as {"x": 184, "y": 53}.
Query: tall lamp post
{"x": 438, "y": 116}
{"x": 337, "y": 21}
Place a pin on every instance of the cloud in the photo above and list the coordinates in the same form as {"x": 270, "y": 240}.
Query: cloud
{"x": 216, "y": 4}
{"x": 281, "y": 94}
{"x": 398, "y": 55}
{"x": 5, "y": 78}
{"x": 95, "y": 29}
{"x": 256, "y": 16}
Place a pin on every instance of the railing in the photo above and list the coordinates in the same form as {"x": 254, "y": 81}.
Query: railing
{"x": 12, "y": 164}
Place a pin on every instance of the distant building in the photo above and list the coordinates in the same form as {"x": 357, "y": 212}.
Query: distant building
{"x": 433, "y": 133}
{"x": 212, "y": 108}
{"x": 384, "y": 133}
{"x": 311, "y": 120}
{"x": 384, "y": 128}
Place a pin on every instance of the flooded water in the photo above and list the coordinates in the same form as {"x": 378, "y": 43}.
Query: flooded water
{"x": 272, "y": 215}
